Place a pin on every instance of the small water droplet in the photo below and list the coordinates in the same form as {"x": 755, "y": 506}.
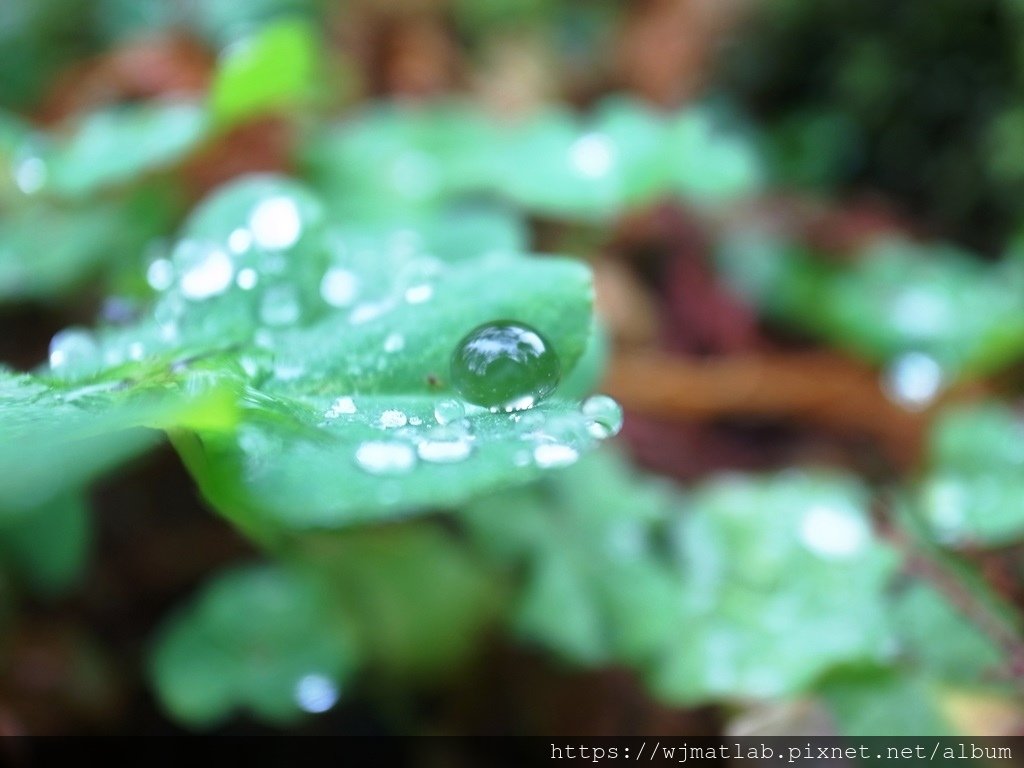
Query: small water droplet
{"x": 339, "y": 287}
{"x": 592, "y": 155}
{"x": 834, "y": 534}
{"x": 136, "y": 351}
{"x": 504, "y": 365}
{"x": 386, "y": 458}
{"x": 415, "y": 421}
{"x": 276, "y": 223}
{"x": 204, "y": 269}
{"x": 418, "y": 294}
{"x": 343, "y": 406}
{"x": 392, "y": 419}
{"x": 913, "y": 380}
{"x": 160, "y": 274}
{"x": 30, "y": 174}
{"x": 446, "y": 451}
{"x": 554, "y": 455}
{"x": 247, "y": 278}
{"x": 74, "y": 352}
{"x": 394, "y": 342}
{"x": 449, "y": 411}
{"x": 280, "y": 306}
{"x": 316, "y": 693}
{"x": 364, "y": 313}
{"x": 604, "y": 416}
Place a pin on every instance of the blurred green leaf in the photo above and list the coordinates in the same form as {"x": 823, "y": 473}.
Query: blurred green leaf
{"x": 896, "y": 298}
{"x": 261, "y": 639}
{"x": 782, "y": 581}
{"x": 119, "y": 144}
{"x": 973, "y": 492}
{"x": 47, "y": 547}
{"x": 274, "y": 69}
{"x": 593, "y": 588}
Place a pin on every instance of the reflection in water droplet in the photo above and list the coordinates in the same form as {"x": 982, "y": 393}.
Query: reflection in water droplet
{"x": 592, "y": 155}
{"x": 275, "y": 223}
{"x": 913, "y": 380}
{"x": 339, "y": 287}
{"x": 205, "y": 270}
{"x": 834, "y": 534}
{"x": 449, "y": 411}
{"x": 343, "y": 406}
{"x": 160, "y": 274}
{"x": 280, "y": 306}
{"x": 316, "y": 693}
{"x": 394, "y": 342}
{"x": 74, "y": 351}
{"x": 554, "y": 455}
{"x": 418, "y": 294}
{"x": 240, "y": 240}
{"x": 392, "y": 419}
{"x": 247, "y": 278}
{"x": 604, "y": 416}
{"x": 504, "y": 365}
{"x": 386, "y": 458}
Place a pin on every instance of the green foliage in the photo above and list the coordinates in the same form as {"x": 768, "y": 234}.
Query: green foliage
{"x": 256, "y": 638}
{"x": 553, "y": 162}
{"x": 973, "y": 492}
{"x": 759, "y": 557}
{"x": 273, "y": 70}
{"x": 896, "y": 297}
{"x": 47, "y": 547}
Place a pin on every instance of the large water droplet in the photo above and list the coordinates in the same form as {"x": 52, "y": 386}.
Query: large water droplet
{"x": 275, "y": 223}
{"x": 604, "y": 416}
{"x": 204, "y": 269}
{"x": 449, "y": 411}
{"x": 74, "y": 352}
{"x": 504, "y": 365}
{"x": 386, "y": 458}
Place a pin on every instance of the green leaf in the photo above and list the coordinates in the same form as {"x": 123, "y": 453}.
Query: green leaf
{"x": 47, "y": 547}
{"x": 48, "y": 250}
{"x": 55, "y": 437}
{"x": 337, "y": 341}
{"x": 119, "y": 144}
{"x": 261, "y": 639}
{"x": 895, "y": 299}
{"x": 274, "y": 69}
{"x": 974, "y": 491}
{"x": 782, "y": 581}
{"x": 591, "y": 586}
{"x": 417, "y": 600}
{"x": 880, "y": 702}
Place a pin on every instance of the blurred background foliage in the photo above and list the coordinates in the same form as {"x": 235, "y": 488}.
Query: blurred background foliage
{"x": 802, "y": 223}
